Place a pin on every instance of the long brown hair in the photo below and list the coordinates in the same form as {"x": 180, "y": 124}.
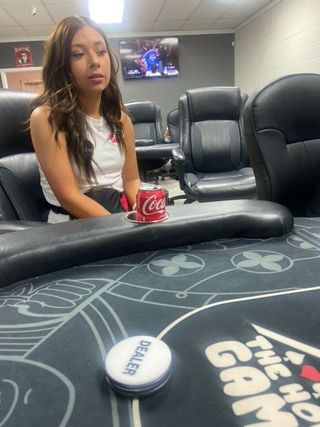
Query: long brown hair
{"x": 61, "y": 96}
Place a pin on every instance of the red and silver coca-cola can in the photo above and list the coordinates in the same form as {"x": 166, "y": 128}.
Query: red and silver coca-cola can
{"x": 151, "y": 204}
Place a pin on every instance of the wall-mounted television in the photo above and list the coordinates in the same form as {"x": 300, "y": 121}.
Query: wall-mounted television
{"x": 149, "y": 57}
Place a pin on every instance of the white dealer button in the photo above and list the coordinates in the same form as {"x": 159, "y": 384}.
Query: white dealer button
{"x": 138, "y": 364}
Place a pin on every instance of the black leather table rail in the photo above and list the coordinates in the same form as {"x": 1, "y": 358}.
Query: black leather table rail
{"x": 48, "y": 248}
{"x": 240, "y": 315}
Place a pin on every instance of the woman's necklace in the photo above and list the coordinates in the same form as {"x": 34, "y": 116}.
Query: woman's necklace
{"x": 98, "y": 124}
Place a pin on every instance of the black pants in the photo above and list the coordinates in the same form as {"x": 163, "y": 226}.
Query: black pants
{"x": 106, "y": 197}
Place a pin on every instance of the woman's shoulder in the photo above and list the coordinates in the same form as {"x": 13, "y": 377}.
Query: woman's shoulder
{"x": 41, "y": 122}
{"x": 125, "y": 119}
{"x": 40, "y": 113}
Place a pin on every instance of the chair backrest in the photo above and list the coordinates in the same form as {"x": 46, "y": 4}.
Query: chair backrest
{"x": 245, "y": 156}
{"x": 15, "y": 110}
{"x": 21, "y": 197}
{"x": 146, "y": 119}
{"x": 211, "y": 134}
{"x": 173, "y": 125}
{"x": 282, "y": 129}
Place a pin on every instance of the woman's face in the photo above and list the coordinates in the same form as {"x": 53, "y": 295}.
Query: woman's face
{"x": 90, "y": 61}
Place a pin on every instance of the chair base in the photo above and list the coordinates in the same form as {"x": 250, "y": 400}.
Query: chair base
{"x": 157, "y": 175}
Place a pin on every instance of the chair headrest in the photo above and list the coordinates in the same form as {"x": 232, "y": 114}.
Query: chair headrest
{"x": 244, "y": 99}
{"x": 173, "y": 124}
{"x": 173, "y": 117}
{"x": 214, "y": 103}
{"x": 143, "y": 112}
{"x": 290, "y": 105}
{"x": 14, "y": 113}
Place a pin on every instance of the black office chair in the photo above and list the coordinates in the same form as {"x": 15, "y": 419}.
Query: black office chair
{"x": 211, "y": 161}
{"x": 282, "y": 129}
{"x": 173, "y": 125}
{"x": 147, "y": 122}
{"x": 21, "y": 197}
{"x": 173, "y": 142}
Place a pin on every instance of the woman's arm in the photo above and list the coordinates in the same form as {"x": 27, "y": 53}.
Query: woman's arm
{"x": 130, "y": 174}
{"x": 55, "y": 163}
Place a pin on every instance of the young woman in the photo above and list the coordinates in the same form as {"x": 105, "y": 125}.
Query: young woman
{"x": 83, "y": 139}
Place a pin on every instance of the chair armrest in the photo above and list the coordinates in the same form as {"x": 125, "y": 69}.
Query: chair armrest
{"x": 178, "y": 157}
{"x": 179, "y": 161}
{"x": 10, "y": 226}
{"x": 156, "y": 151}
{"x": 144, "y": 142}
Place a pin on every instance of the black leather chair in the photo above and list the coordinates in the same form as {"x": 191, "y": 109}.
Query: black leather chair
{"x": 173, "y": 125}
{"x": 211, "y": 161}
{"x": 147, "y": 122}
{"x": 282, "y": 129}
{"x": 173, "y": 142}
{"x": 21, "y": 197}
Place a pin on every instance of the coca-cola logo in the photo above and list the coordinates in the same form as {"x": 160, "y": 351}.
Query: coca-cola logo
{"x": 153, "y": 205}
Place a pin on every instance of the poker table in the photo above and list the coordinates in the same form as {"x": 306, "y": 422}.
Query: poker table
{"x": 237, "y": 302}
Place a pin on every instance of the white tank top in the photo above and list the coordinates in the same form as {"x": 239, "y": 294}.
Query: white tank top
{"x": 108, "y": 164}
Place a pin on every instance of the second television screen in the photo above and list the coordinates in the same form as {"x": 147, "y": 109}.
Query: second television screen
{"x": 151, "y": 57}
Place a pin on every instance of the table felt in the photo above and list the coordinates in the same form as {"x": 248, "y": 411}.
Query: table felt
{"x": 241, "y": 317}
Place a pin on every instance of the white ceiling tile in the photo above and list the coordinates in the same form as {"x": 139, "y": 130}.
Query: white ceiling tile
{"x": 8, "y": 32}
{"x": 5, "y": 19}
{"x": 132, "y": 27}
{"x": 245, "y": 8}
{"x": 111, "y": 28}
{"x": 23, "y": 15}
{"x": 38, "y": 30}
{"x": 209, "y": 9}
{"x": 140, "y": 15}
{"x": 142, "y": 10}
{"x": 226, "y": 23}
{"x": 61, "y": 10}
{"x": 178, "y": 9}
{"x": 139, "y": 26}
{"x": 197, "y": 24}
{"x": 168, "y": 25}
{"x": 78, "y": 2}
{"x": 19, "y": 2}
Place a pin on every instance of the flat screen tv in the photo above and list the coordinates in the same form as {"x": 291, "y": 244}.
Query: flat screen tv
{"x": 149, "y": 57}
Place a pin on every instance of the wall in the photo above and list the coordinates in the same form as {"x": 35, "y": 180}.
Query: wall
{"x": 205, "y": 60}
{"x": 7, "y": 55}
{"x": 283, "y": 40}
